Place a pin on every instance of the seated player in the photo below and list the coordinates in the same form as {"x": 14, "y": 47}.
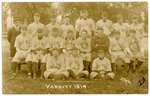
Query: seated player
{"x": 99, "y": 41}
{"x": 75, "y": 66}
{"x": 38, "y": 49}
{"x": 135, "y": 51}
{"x": 22, "y": 45}
{"x": 117, "y": 49}
{"x": 69, "y": 43}
{"x": 55, "y": 67}
{"x": 83, "y": 43}
{"x": 101, "y": 67}
{"x": 54, "y": 41}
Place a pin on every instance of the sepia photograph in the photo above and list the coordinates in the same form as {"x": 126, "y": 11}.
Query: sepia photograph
{"x": 74, "y": 47}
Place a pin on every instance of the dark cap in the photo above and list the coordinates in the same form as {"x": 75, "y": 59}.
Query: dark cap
{"x": 54, "y": 29}
{"x": 104, "y": 13}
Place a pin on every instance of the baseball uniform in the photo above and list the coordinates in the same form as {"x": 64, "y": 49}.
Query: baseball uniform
{"x": 101, "y": 65}
{"x": 32, "y": 28}
{"x": 107, "y": 26}
{"x": 85, "y": 48}
{"x": 75, "y": 63}
{"x": 22, "y": 45}
{"x": 87, "y": 24}
{"x": 64, "y": 29}
{"x": 117, "y": 48}
{"x": 39, "y": 45}
{"x": 56, "y": 66}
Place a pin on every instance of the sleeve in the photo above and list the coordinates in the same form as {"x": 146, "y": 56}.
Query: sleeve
{"x": 81, "y": 64}
{"x": 17, "y": 44}
{"x": 94, "y": 65}
{"x": 9, "y": 35}
{"x": 78, "y": 26}
{"x": 108, "y": 67}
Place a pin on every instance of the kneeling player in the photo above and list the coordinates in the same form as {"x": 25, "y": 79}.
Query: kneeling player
{"x": 22, "y": 45}
{"x": 38, "y": 48}
{"x": 55, "y": 67}
{"x": 75, "y": 65}
{"x": 101, "y": 67}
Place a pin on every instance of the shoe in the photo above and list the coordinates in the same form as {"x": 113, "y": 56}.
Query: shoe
{"x": 34, "y": 76}
{"x": 29, "y": 76}
{"x": 13, "y": 75}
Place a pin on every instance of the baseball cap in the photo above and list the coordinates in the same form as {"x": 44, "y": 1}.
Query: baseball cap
{"x": 23, "y": 27}
{"x": 39, "y": 30}
{"x": 36, "y": 14}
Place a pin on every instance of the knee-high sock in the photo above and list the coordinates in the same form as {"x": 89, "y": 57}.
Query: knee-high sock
{"x": 43, "y": 68}
{"x": 35, "y": 67}
{"x": 14, "y": 66}
{"x": 29, "y": 67}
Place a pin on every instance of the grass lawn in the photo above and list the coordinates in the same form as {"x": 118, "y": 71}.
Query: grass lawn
{"x": 22, "y": 85}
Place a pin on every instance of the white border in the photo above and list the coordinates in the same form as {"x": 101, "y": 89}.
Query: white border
{"x": 72, "y": 1}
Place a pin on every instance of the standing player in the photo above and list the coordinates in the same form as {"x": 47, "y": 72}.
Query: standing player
{"x": 105, "y": 23}
{"x": 101, "y": 67}
{"x": 48, "y": 28}
{"x": 38, "y": 49}
{"x": 12, "y": 34}
{"x": 83, "y": 43}
{"x": 135, "y": 51}
{"x": 139, "y": 28}
{"x": 55, "y": 67}
{"x": 32, "y": 28}
{"x": 65, "y": 27}
{"x": 121, "y": 27}
{"x": 74, "y": 64}
{"x": 85, "y": 23}
{"x": 99, "y": 41}
{"x": 22, "y": 45}
{"x": 117, "y": 49}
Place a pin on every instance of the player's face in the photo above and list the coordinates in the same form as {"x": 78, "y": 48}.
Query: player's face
{"x": 84, "y": 14}
{"x": 67, "y": 20}
{"x": 74, "y": 52}
{"x": 104, "y": 17}
{"x": 100, "y": 31}
{"x": 55, "y": 53}
{"x": 101, "y": 54}
{"x": 134, "y": 20}
{"x": 40, "y": 34}
{"x": 55, "y": 34}
{"x": 17, "y": 23}
{"x": 120, "y": 20}
{"x": 23, "y": 31}
{"x": 84, "y": 35}
{"x": 70, "y": 35}
{"x": 36, "y": 18}
{"x": 117, "y": 36}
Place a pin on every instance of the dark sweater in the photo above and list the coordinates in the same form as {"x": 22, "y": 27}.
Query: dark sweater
{"x": 12, "y": 34}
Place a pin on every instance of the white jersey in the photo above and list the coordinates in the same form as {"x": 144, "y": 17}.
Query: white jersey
{"x": 32, "y": 28}
{"x": 107, "y": 26}
{"x": 22, "y": 42}
{"x": 48, "y": 28}
{"x": 101, "y": 65}
{"x": 56, "y": 42}
{"x": 64, "y": 29}
{"x": 38, "y": 44}
{"x": 139, "y": 28}
{"x": 87, "y": 24}
{"x": 122, "y": 28}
